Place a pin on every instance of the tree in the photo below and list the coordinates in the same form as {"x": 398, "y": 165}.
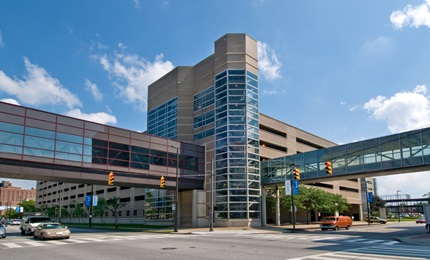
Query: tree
{"x": 340, "y": 203}
{"x": 10, "y": 213}
{"x": 101, "y": 208}
{"x": 51, "y": 212}
{"x": 114, "y": 204}
{"x": 377, "y": 204}
{"x": 310, "y": 198}
{"x": 427, "y": 195}
{"x": 79, "y": 211}
{"x": 28, "y": 205}
{"x": 72, "y": 205}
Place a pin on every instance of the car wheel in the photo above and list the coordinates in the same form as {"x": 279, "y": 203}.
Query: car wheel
{"x": 34, "y": 236}
{"x": 336, "y": 228}
{"x": 67, "y": 237}
{"x": 42, "y": 237}
{"x": 347, "y": 228}
{"x": 22, "y": 232}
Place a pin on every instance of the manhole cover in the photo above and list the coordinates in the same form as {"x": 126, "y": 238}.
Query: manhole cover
{"x": 168, "y": 248}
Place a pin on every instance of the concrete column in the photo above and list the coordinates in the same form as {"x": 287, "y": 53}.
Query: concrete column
{"x": 263, "y": 206}
{"x": 277, "y": 208}
{"x": 194, "y": 209}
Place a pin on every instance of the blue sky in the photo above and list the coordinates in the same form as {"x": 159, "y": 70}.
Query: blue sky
{"x": 343, "y": 70}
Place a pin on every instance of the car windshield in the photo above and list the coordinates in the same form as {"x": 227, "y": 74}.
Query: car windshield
{"x": 39, "y": 220}
{"x": 330, "y": 219}
{"x": 51, "y": 226}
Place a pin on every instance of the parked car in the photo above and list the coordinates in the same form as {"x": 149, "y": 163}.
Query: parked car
{"x": 2, "y": 231}
{"x": 421, "y": 220}
{"x": 16, "y": 222}
{"x": 51, "y": 230}
{"x": 336, "y": 222}
{"x": 376, "y": 220}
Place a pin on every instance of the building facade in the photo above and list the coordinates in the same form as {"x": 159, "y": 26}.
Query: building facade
{"x": 212, "y": 108}
{"x": 215, "y": 103}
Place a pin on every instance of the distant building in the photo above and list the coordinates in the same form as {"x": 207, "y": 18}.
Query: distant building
{"x": 11, "y": 196}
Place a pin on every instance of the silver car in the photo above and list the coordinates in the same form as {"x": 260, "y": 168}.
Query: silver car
{"x": 2, "y": 231}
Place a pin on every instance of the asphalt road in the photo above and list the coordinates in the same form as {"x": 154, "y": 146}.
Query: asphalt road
{"x": 375, "y": 241}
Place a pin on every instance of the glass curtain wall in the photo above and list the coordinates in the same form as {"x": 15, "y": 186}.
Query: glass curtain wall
{"x": 237, "y": 157}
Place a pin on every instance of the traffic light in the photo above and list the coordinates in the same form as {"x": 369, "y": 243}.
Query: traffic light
{"x": 111, "y": 178}
{"x": 328, "y": 168}
{"x": 162, "y": 181}
{"x": 296, "y": 173}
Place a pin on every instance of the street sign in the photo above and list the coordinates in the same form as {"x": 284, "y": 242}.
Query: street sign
{"x": 295, "y": 187}
{"x": 287, "y": 187}
{"x": 370, "y": 197}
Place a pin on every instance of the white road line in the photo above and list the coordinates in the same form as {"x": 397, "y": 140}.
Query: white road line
{"x": 34, "y": 243}
{"x": 56, "y": 242}
{"x": 373, "y": 241}
{"x": 77, "y": 241}
{"x": 391, "y": 242}
{"x": 93, "y": 239}
{"x": 357, "y": 240}
{"x": 11, "y": 245}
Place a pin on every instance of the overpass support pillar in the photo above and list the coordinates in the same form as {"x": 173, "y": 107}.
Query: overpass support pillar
{"x": 277, "y": 208}
{"x": 263, "y": 206}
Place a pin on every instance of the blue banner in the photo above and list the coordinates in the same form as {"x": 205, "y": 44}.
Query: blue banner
{"x": 370, "y": 197}
{"x": 295, "y": 187}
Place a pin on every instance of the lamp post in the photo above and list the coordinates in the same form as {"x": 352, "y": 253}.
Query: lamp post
{"x": 398, "y": 204}
{"x": 175, "y": 209}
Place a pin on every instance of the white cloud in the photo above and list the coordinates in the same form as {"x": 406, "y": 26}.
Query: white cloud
{"x": 92, "y": 88}
{"x": 413, "y": 16}
{"x": 132, "y": 74}
{"x": 37, "y": 88}
{"x": 10, "y": 101}
{"x": 408, "y": 183}
{"x": 380, "y": 45}
{"x": 136, "y": 4}
{"x": 402, "y": 112}
{"x": 268, "y": 63}
{"x": 272, "y": 92}
{"x": 100, "y": 117}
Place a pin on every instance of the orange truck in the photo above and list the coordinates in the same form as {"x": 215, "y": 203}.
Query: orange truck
{"x": 336, "y": 222}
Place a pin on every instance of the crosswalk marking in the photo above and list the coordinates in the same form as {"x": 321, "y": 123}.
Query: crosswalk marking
{"x": 383, "y": 252}
{"x": 340, "y": 238}
{"x": 79, "y": 240}
{"x": 57, "y": 242}
{"x": 11, "y": 245}
{"x": 35, "y": 243}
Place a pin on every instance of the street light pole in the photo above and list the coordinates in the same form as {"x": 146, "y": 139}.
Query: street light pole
{"x": 211, "y": 202}
{"x": 175, "y": 228}
{"x": 398, "y": 204}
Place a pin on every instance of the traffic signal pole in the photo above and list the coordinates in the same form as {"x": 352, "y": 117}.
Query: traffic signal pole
{"x": 293, "y": 211}
{"x": 293, "y": 171}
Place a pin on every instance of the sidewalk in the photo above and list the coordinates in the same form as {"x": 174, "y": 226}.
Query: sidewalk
{"x": 421, "y": 239}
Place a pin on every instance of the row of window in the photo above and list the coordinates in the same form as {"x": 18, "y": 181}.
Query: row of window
{"x": 385, "y": 153}
{"x": 204, "y": 99}
{"x": 162, "y": 120}
{"x": 66, "y": 147}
